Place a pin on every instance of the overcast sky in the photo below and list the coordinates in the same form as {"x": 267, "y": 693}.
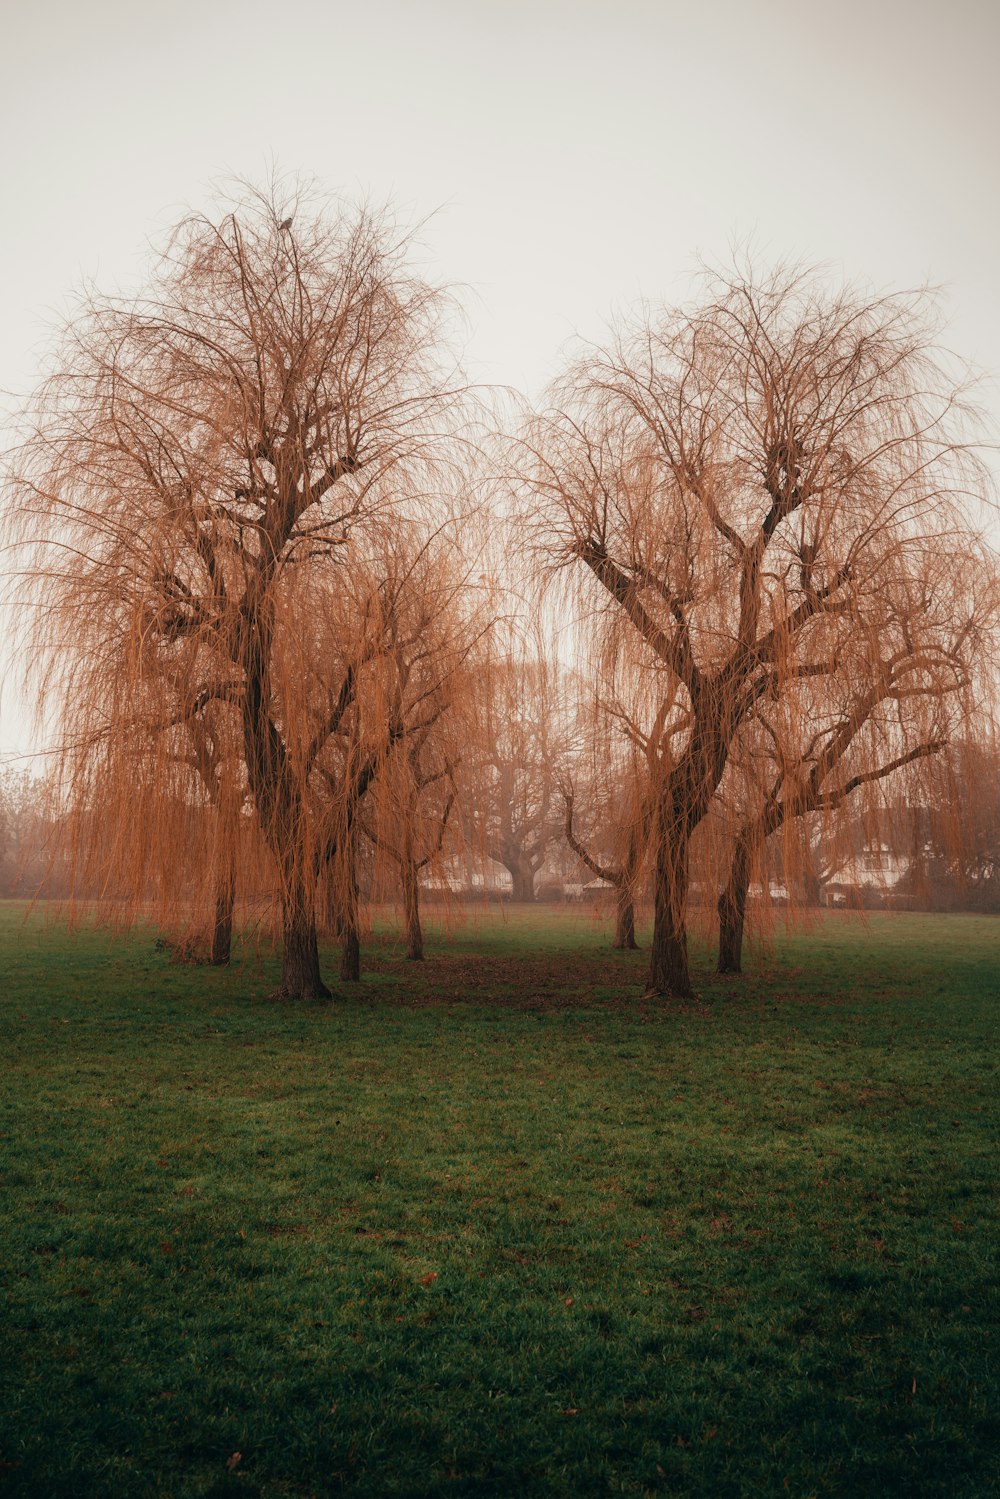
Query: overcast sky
{"x": 564, "y": 159}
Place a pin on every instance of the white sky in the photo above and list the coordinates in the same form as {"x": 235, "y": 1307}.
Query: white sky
{"x": 572, "y": 157}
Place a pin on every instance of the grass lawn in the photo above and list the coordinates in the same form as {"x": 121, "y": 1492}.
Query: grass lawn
{"x": 492, "y": 1226}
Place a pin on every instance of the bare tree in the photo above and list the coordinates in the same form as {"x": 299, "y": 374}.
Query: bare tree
{"x": 423, "y": 795}
{"x": 624, "y": 750}
{"x": 207, "y": 468}
{"x": 954, "y": 825}
{"x": 904, "y": 685}
{"x": 27, "y": 821}
{"x": 621, "y": 865}
{"x": 726, "y": 484}
{"x": 434, "y": 634}
{"x": 514, "y": 759}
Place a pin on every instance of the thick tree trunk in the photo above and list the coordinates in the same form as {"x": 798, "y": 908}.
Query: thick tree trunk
{"x": 523, "y": 877}
{"x": 733, "y": 909}
{"x": 668, "y": 954}
{"x": 300, "y": 975}
{"x": 625, "y": 919}
{"x": 222, "y": 931}
{"x": 411, "y": 912}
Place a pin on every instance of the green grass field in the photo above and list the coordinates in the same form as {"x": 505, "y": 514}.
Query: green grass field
{"x": 492, "y": 1226}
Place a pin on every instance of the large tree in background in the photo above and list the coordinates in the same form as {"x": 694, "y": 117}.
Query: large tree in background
{"x": 514, "y": 756}
{"x": 733, "y": 481}
{"x": 207, "y": 468}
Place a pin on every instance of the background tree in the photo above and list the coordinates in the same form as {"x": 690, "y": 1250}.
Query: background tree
{"x": 514, "y": 758}
{"x": 433, "y": 624}
{"x": 206, "y": 467}
{"x": 29, "y": 865}
{"x": 954, "y": 825}
{"x": 421, "y": 795}
{"x": 731, "y": 481}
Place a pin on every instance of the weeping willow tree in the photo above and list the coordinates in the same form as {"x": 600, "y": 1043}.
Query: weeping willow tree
{"x": 723, "y": 485}
{"x": 207, "y": 483}
{"x": 398, "y": 762}
{"x": 411, "y": 824}
{"x": 410, "y": 812}
{"x": 625, "y": 734}
{"x": 517, "y": 739}
{"x": 913, "y": 671}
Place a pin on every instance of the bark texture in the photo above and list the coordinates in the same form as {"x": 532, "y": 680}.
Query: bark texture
{"x": 625, "y": 921}
{"x": 669, "y": 974}
{"x": 732, "y": 911}
{"x": 222, "y": 930}
{"x": 411, "y": 913}
{"x": 300, "y": 973}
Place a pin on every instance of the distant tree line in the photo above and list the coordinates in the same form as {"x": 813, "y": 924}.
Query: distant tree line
{"x": 32, "y": 861}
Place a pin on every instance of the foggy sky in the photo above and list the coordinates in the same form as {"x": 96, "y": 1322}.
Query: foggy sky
{"x": 562, "y": 159}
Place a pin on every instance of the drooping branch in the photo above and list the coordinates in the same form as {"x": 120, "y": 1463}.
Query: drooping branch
{"x": 602, "y": 871}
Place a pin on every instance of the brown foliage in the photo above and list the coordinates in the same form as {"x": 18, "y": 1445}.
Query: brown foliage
{"x": 226, "y": 503}
{"x": 912, "y": 674}
{"x": 727, "y": 491}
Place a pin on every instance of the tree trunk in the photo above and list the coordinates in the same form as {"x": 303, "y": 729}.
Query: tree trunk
{"x": 411, "y": 912}
{"x": 625, "y": 919}
{"x": 222, "y": 932}
{"x": 811, "y": 887}
{"x": 668, "y": 955}
{"x": 300, "y": 975}
{"x": 733, "y": 909}
{"x": 350, "y": 954}
{"x": 350, "y": 941}
{"x": 523, "y": 877}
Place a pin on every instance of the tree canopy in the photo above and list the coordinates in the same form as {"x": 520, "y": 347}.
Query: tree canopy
{"x": 227, "y": 479}
{"x": 257, "y": 602}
